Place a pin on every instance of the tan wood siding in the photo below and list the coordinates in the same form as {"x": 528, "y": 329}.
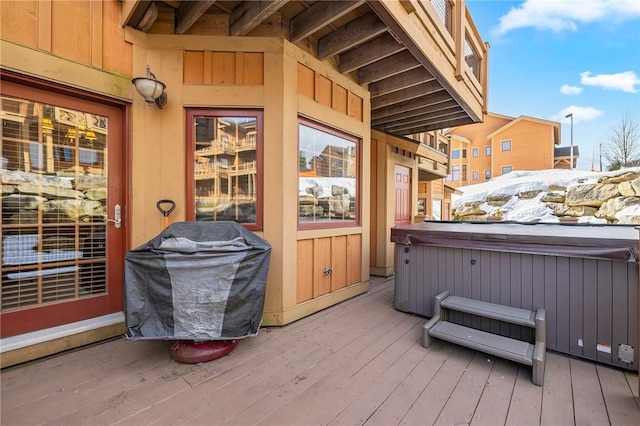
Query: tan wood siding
{"x": 339, "y": 262}
{"x": 354, "y": 258}
{"x": 304, "y": 291}
{"x": 321, "y": 260}
{"x": 223, "y": 68}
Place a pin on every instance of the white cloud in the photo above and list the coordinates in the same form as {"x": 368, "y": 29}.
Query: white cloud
{"x": 570, "y": 90}
{"x": 624, "y": 81}
{"x": 580, "y": 114}
{"x": 565, "y": 15}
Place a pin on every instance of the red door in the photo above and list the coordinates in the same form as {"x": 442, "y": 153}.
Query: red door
{"x": 403, "y": 197}
{"x": 63, "y": 233}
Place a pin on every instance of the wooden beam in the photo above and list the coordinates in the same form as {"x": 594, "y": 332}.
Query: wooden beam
{"x": 189, "y": 12}
{"x": 356, "y": 32}
{"x": 387, "y": 67}
{"x": 379, "y": 48}
{"x": 424, "y": 111}
{"x": 148, "y": 19}
{"x": 406, "y": 94}
{"x": 249, "y": 14}
{"x": 407, "y": 121}
{"x": 400, "y": 81}
{"x": 419, "y": 127}
{"x": 318, "y": 15}
{"x": 413, "y": 104}
{"x": 138, "y": 10}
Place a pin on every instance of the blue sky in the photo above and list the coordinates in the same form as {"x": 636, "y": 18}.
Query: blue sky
{"x": 549, "y": 58}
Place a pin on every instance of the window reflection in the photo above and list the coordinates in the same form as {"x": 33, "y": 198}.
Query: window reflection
{"x": 328, "y": 171}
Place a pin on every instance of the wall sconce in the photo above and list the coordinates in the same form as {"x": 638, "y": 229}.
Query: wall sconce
{"x": 151, "y": 89}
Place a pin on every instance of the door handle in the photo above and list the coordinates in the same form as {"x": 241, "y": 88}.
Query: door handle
{"x": 117, "y": 222}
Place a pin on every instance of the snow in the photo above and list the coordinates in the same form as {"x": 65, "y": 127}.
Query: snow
{"x": 532, "y": 210}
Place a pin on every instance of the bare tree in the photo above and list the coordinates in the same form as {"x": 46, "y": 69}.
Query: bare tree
{"x": 623, "y": 146}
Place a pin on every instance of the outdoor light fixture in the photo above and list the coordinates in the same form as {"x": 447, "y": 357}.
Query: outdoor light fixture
{"x": 571, "y": 158}
{"x": 151, "y": 89}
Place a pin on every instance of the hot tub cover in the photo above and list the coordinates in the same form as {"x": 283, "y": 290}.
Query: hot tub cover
{"x": 196, "y": 281}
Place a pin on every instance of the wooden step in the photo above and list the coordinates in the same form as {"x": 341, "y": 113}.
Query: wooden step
{"x": 491, "y": 310}
{"x": 504, "y": 347}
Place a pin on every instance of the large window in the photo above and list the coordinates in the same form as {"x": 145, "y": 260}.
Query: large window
{"x": 328, "y": 176}
{"x": 455, "y": 154}
{"x": 506, "y": 145}
{"x": 227, "y": 163}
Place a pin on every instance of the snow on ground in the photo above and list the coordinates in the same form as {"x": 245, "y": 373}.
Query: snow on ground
{"x": 533, "y": 209}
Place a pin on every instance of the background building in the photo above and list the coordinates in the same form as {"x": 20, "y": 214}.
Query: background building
{"x": 501, "y": 144}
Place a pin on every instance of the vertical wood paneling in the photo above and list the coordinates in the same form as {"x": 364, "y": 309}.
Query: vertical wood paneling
{"x": 563, "y": 314}
{"x": 550, "y": 273}
{"x": 44, "y": 25}
{"x": 223, "y": 68}
{"x": 467, "y": 277}
{"x": 239, "y": 64}
{"x": 355, "y": 107}
{"x": 576, "y": 277}
{"x": 19, "y": 22}
{"x": 339, "y": 262}
{"x": 590, "y": 308}
{"x": 323, "y": 90}
{"x": 604, "y": 313}
{"x": 304, "y": 284}
{"x": 495, "y": 286}
{"x": 96, "y": 34}
{"x": 619, "y": 314}
{"x": 476, "y": 282}
{"x": 193, "y": 67}
{"x": 207, "y": 67}
{"x": 505, "y": 287}
{"x": 526, "y": 296}
{"x": 253, "y": 65}
{"x": 339, "y": 98}
{"x": 117, "y": 53}
{"x": 306, "y": 81}
{"x": 485, "y": 292}
{"x": 633, "y": 317}
{"x": 321, "y": 260}
{"x": 515, "y": 300}
{"x": 70, "y": 41}
{"x": 354, "y": 256}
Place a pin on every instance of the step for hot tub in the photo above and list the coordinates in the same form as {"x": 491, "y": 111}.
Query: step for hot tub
{"x": 516, "y": 350}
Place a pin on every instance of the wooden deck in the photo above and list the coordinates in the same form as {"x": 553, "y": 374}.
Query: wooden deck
{"x": 358, "y": 362}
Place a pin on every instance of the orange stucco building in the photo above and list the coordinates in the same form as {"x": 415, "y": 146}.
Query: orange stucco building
{"x": 501, "y": 144}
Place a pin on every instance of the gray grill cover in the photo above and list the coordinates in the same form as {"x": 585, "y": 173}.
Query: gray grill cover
{"x": 196, "y": 281}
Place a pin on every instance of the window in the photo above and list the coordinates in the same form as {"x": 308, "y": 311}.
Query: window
{"x": 227, "y": 163}
{"x": 506, "y": 169}
{"x": 506, "y": 145}
{"x": 436, "y": 209}
{"x": 464, "y": 172}
{"x": 487, "y": 150}
{"x": 487, "y": 174}
{"x": 474, "y": 175}
{"x": 464, "y": 153}
{"x": 328, "y": 176}
{"x": 54, "y": 158}
{"x": 455, "y": 173}
{"x": 455, "y": 154}
{"x": 474, "y": 152}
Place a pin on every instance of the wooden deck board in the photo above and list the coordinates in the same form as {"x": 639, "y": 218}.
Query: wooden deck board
{"x": 359, "y": 362}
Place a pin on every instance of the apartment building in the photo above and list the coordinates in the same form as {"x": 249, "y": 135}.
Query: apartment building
{"x": 501, "y": 144}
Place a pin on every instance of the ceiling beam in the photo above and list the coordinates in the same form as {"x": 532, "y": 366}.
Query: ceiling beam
{"x": 137, "y": 13}
{"x": 397, "y": 28}
{"x": 408, "y": 121}
{"x": 149, "y": 18}
{"x": 318, "y": 15}
{"x": 407, "y": 94}
{"x": 189, "y": 12}
{"x": 249, "y": 14}
{"x": 372, "y": 51}
{"x": 419, "y": 112}
{"x": 413, "y": 104}
{"x": 387, "y": 67}
{"x": 417, "y": 127}
{"x": 356, "y": 32}
{"x": 400, "y": 81}
{"x": 448, "y": 124}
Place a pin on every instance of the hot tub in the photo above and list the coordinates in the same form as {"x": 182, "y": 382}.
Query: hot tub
{"x": 585, "y": 276}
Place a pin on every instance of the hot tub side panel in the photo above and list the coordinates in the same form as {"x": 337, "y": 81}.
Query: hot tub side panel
{"x": 591, "y": 304}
